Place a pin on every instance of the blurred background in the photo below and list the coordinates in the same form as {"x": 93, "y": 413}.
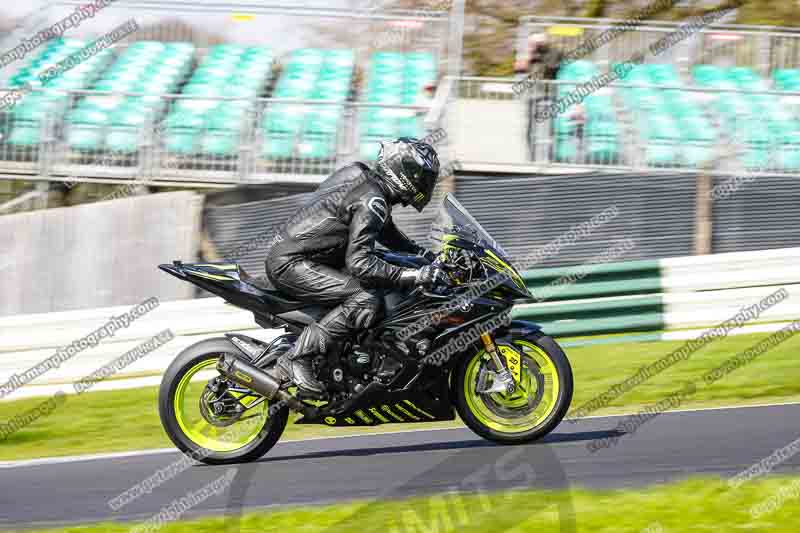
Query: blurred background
{"x": 195, "y": 136}
{"x": 639, "y": 208}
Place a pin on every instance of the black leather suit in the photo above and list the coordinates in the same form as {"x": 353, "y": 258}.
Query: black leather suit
{"x": 323, "y": 254}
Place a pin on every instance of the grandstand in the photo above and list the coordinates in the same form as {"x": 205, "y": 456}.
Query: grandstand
{"x": 25, "y": 123}
{"x": 677, "y": 127}
{"x": 222, "y": 102}
{"x": 174, "y": 109}
{"x": 722, "y": 99}
{"x": 223, "y": 95}
{"x": 197, "y": 105}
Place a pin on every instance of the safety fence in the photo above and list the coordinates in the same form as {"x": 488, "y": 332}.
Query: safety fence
{"x": 637, "y": 296}
{"x": 606, "y": 40}
{"x": 667, "y": 294}
{"x": 248, "y": 140}
{"x": 26, "y": 340}
{"x": 638, "y": 125}
{"x": 163, "y": 123}
{"x": 527, "y": 212}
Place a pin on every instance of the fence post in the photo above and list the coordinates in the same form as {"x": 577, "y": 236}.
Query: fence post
{"x": 703, "y": 217}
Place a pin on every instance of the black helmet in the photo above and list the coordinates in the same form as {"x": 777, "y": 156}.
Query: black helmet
{"x": 409, "y": 168}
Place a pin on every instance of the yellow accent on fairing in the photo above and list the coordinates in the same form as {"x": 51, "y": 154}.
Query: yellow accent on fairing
{"x": 209, "y": 276}
{"x": 512, "y": 362}
{"x": 420, "y": 410}
{"x": 494, "y": 260}
{"x": 219, "y": 267}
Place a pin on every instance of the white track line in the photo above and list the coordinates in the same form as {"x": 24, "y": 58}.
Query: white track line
{"x": 159, "y": 451}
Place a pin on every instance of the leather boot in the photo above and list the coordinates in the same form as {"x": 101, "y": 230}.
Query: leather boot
{"x": 301, "y": 372}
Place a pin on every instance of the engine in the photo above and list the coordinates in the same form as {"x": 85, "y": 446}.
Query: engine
{"x": 359, "y": 366}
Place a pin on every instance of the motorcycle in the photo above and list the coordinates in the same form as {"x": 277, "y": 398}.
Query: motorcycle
{"x": 436, "y": 352}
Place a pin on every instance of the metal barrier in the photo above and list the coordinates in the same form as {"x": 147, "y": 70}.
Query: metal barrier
{"x": 762, "y": 47}
{"x": 679, "y": 292}
{"x": 363, "y": 30}
{"x": 242, "y": 155}
{"x": 616, "y": 297}
{"x": 728, "y": 144}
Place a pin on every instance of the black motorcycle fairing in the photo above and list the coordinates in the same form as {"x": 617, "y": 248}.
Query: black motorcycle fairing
{"x": 270, "y": 307}
{"x": 249, "y": 346}
{"x": 425, "y": 397}
{"x": 523, "y": 328}
{"x": 231, "y": 282}
{"x": 402, "y": 259}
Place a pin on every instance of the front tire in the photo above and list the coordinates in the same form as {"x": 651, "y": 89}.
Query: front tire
{"x": 540, "y": 402}
{"x": 179, "y": 406}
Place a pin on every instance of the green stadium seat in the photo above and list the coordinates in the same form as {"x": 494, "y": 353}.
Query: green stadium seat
{"x": 33, "y": 110}
{"x": 144, "y": 67}
{"x": 699, "y": 140}
{"x": 123, "y": 139}
{"x": 88, "y": 114}
{"x": 787, "y": 79}
{"x": 317, "y": 146}
{"x": 25, "y": 135}
{"x": 787, "y": 157}
{"x": 284, "y": 118}
{"x": 660, "y": 126}
{"x": 409, "y": 127}
{"x": 181, "y": 141}
{"x": 661, "y": 153}
{"x": 707, "y": 74}
{"x": 326, "y": 120}
{"x": 227, "y": 119}
{"x": 278, "y": 146}
{"x": 370, "y": 146}
{"x": 697, "y": 128}
{"x": 131, "y": 115}
{"x": 566, "y": 149}
{"x": 85, "y": 137}
{"x": 393, "y": 78}
{"x": 220, "y": 143}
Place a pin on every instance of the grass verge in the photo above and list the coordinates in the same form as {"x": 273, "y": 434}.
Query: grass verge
{"x": 99, "y": 422}
{"x": 692, "y": 505}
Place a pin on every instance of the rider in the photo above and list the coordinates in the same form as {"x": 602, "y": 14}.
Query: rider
{"x": 326, "y": 255}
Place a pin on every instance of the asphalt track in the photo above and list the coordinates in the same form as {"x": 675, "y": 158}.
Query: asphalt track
{"x": 716, "y": 442}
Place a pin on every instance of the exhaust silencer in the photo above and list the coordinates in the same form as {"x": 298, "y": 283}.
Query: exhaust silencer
{"x": 257, "y": 380}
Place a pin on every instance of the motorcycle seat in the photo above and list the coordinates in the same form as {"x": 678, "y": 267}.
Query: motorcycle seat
{"x": 269, "y": 291}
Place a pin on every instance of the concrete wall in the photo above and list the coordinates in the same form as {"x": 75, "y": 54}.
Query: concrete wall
{"x": 96, "y": 255}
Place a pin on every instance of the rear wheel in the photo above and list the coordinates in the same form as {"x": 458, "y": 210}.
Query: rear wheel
{"x": 209, "y": 425}
{"x": 534, "y": 409}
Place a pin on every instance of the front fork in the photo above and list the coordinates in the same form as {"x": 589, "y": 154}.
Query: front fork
{"x": 508, "y": 368}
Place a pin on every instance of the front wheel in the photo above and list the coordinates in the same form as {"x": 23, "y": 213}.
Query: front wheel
{"x": 538, "y": 404}
{"x": 210, "y": 419}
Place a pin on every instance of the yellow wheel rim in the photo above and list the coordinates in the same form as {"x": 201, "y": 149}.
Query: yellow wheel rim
{"x": 533, "y": 401}
{"x": 187, "y": 400}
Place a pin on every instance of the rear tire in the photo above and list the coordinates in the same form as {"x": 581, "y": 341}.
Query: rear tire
{"x": 256, "y": 439}
{"x": 512, "y": 420}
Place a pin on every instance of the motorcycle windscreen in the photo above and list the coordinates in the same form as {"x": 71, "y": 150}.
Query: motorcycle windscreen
{"x": 453, "y": 218}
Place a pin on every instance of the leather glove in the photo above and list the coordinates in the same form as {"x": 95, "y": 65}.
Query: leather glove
{"x": 431, "y": 276}
{"x": 427, "y": 254}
